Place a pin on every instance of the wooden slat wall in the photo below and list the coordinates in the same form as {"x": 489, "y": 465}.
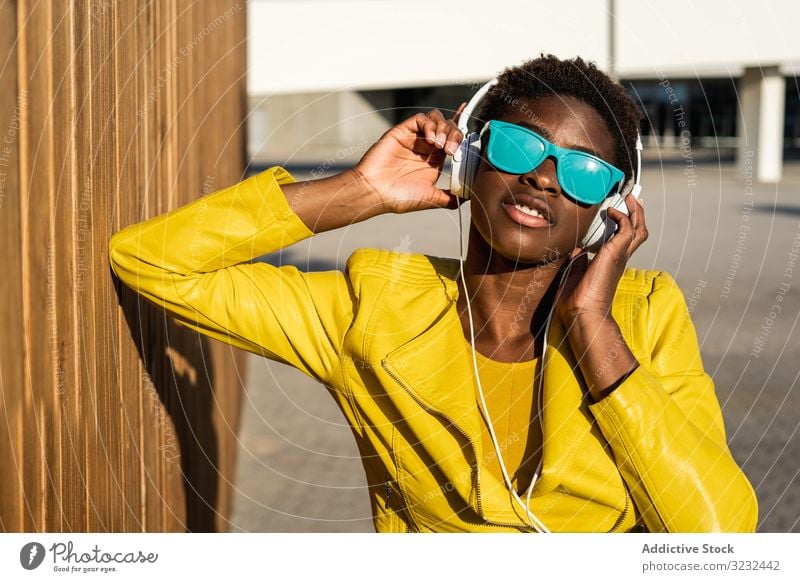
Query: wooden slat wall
{"x": 112, "y": 418}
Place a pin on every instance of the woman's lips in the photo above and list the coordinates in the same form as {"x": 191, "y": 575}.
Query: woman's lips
{"x": 525, "y": 219}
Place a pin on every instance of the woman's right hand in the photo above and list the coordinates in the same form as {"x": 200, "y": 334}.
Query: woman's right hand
{"x": 403, "y": 166}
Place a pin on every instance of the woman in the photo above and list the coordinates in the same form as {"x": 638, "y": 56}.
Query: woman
{"x": 630, "y": 435}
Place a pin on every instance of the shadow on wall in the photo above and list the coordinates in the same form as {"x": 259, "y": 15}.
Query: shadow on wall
{"x": 181, "y": 369}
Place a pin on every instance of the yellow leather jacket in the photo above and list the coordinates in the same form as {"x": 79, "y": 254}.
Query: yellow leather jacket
{"x": 385, "y": 339}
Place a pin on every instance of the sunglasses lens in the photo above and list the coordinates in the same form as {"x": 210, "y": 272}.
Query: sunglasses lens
{"x": 517, "y": 150}
{"x": 514, "y": 150}
{"x": 584, "y": 178}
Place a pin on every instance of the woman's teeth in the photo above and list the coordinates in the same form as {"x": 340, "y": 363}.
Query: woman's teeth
{"x": 526, "y": 210}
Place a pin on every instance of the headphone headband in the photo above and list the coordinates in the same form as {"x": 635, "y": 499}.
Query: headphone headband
{"x": 476, "y": 100}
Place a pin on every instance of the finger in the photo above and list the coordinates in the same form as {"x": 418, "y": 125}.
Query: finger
{"x": 422, "y": 123}
{"x": 448, "y": 136}
{"x": 438, "y": 121}
{"x": 637, "y": 220}
{"x": 460, "y": 109}
{"x": 575, "y": 252}
{"x": 436, "y": 114}
{"x": 625, "y": 232}
{"x": 442, "y": 133}
{"x": 454, "y": 138}
{"x": 635, "y": 209}
{"x": 445, "y": 199}
{"x": 431, "y": 127}
{"x": 443, "y": 128}
{"x": 434, "y": 127}
{"x": 439, "y": 199}
{"x": 444, "y": 137}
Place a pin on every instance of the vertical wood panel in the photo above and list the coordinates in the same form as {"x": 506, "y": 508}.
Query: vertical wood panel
{"x": 66, "y": 247}
{"x": 151, "y": 437}
{"x": 38, "y": 281}
{"x": 112, "y": 417}
{"x": 103, "y": 134}
{"x": 13, "y": 508}
{"x": 130, "y": 164}
{"x": 83, "y": 158}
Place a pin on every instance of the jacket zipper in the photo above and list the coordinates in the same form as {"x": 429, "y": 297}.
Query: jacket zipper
{"x": 388, "y": 493}
{"x": 617, "y": 527}
{"x": 477, "y": 471}
{"x": 392, "y": 493}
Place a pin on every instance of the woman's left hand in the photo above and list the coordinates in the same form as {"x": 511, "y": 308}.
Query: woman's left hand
{"x": 589, "y": 287}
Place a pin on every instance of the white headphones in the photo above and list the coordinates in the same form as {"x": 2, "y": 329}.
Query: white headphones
{"x": 466, "y": 159}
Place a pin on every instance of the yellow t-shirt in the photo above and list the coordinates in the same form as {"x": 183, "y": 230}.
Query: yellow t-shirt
{"x": 510, "y": 393}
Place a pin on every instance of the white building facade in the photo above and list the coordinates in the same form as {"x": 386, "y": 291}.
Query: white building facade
{"x": 326, "y": 78}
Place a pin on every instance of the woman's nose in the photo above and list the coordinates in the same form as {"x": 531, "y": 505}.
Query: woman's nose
{"x": 543, "y": 177}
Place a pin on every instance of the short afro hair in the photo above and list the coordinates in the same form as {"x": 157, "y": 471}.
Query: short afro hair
{"x": 547, "y": 76}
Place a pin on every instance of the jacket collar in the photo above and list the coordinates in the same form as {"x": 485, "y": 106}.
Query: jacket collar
{"x": 566, "y": 419}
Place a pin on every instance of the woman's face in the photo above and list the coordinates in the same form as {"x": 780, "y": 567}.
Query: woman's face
{"x": 569, "y": 123}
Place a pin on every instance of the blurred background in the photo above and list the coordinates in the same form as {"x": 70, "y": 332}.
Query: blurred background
{"x": 717, "y": 84}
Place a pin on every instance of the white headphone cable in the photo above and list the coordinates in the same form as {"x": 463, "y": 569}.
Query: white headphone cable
{"x": 534, "y": 521}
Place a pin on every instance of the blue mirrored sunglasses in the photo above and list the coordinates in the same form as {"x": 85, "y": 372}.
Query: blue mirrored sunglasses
{"x": 515, "y": 149}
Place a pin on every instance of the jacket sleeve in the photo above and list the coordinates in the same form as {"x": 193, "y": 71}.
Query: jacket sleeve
{"x": 666, "y": 431}
{"x": 195, "y": 262}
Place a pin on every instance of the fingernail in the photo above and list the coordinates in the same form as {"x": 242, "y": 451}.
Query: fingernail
{"x": 640, "y": 200}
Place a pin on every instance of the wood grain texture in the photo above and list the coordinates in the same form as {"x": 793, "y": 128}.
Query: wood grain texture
{"x": 14, "y": 509}
{"x": 112, "y": 417}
